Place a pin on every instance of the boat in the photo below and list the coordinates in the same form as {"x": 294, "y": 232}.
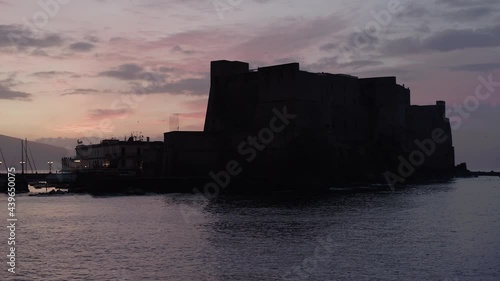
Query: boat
{"x": 19, "y": 180}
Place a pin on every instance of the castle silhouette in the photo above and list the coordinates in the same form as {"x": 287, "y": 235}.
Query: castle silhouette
{"x": 278, "y": 127}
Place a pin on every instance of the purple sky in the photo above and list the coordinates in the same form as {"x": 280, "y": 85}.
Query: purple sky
{"x": 74, "y": 68}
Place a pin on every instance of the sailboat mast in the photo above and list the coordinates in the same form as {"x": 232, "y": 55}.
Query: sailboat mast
{"x": 22, "y": 157}
{"x": 32, "y": 160}
{"x": 28, "y": 159}
{"x": 26, "y": 152}
{"x": 4, "y": 162}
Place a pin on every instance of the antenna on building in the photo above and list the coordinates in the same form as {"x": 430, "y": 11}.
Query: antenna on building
{"x": 174, "y": 122}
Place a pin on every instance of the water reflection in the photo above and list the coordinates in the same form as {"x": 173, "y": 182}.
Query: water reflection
{"x": 384, "y": 234}
{"x": 433, "y": 232}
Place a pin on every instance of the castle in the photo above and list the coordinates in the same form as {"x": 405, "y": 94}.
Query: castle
{"x": 280, "y": 127}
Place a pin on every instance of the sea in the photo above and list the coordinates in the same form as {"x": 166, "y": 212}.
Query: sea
{"x": 446, "y": 231}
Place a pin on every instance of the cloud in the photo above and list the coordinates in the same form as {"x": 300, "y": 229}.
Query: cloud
{"x": 179, "y": 49}
{"x": 285, "y": 37}
{"x": 130, "y": 72}
{"x": 21, "y": 38}
{"x": 455, "y": 39}
{"x": 124, "y": 72}
{"x": 51, "y": 74}
{"x": 331, "y": 63}
{"x": 466, "y": 3}
{"x": 39, "y": 53}
{"x": 405, "y": 45}
{"x": 361, "y": 64}
{"x": 413, "y": 10}
{"x": 288, "y": 37}
{"x": 7, "y": 94}
{"x": 328, "y": 47}
{"x": 480, "y": 67}
{"x": 80, "y": 92}
{"x": 463, "y": 10}
{"x": 92, "y": 38}
{"x": 6, "y": 91}
{"x": 165, "y": 69}
{"x": 471, "y": 13}
{"x": 206, "y": 37}
{"x": 446, "y": 41}
{"x": 10, "y": 81}
{"x": 188, "y": 86}
{"x": 99, "y": 114}
{"x": 81, "y": 47}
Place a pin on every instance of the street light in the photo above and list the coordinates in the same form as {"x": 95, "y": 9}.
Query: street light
{"x": 22, "y": 166}
{"x": 50, "y": 166}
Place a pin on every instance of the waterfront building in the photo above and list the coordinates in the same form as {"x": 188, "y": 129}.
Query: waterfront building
{"x": 134, "y": 156}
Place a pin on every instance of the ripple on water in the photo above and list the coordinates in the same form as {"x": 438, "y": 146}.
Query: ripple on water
{"x": 434, "y": 232}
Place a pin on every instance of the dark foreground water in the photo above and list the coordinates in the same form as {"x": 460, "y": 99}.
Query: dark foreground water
{"x": 435, "y": 232}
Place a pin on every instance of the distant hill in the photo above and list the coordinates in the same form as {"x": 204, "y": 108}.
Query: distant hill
{"x": 42, "y": 153}
{"x": 68, "y": 143}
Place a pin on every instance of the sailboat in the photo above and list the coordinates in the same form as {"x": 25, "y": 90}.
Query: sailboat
{"x": 19, "y": 180}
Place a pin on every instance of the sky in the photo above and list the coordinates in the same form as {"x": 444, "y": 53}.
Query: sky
{"x": 107, "y": 68}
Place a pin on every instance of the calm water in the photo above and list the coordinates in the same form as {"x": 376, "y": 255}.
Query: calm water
{"x": 436, "y": 232}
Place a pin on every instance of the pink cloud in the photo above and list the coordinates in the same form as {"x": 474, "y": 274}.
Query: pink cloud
{"x": 100, "y": 114}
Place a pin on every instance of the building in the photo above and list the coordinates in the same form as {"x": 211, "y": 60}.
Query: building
{"x": 114, "y": 157}
{"x": 344, "y": 128}
{"x": 424, "y": 121}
